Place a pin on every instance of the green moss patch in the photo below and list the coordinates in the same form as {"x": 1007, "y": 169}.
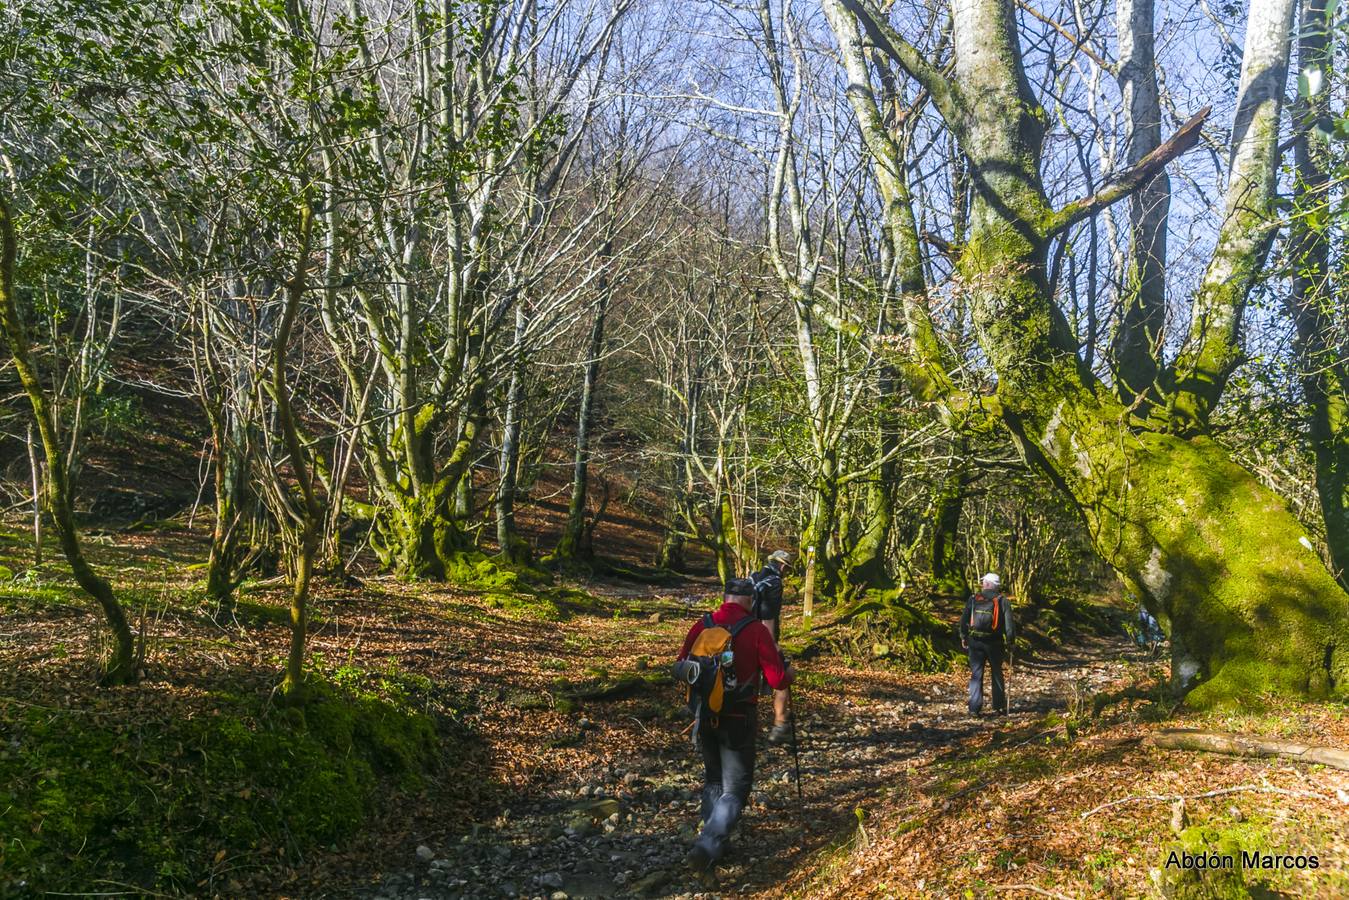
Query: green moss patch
{"x": 479, "y": 572}
{"x": 160, "y": 790}
{"x": 523, "y": 590}
{"x": 884, "y": 626}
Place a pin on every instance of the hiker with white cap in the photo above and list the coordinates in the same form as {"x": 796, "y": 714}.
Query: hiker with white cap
{"x": 986, "y": 630}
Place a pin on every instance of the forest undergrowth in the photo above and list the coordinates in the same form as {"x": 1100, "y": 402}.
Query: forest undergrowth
{"x": 530, "y": 745}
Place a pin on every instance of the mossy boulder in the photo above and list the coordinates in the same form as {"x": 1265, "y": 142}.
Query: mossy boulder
{"x": 491, "y": 575}
{"x": 886, "y": 625}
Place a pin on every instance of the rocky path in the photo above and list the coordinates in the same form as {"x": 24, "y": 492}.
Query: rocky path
{"x": 620, "y": 826}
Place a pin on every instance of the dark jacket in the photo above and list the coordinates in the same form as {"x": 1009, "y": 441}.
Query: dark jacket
{"x": 767, "y": 593}
{"x": 1005, "y": 628}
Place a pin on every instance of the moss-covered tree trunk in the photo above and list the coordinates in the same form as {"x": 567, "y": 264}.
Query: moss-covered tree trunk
{"x": 420, "y": 536}
{"x": 1138, "y": 339}
{"x": 948, "y": 575}
{"x": 229, "y": 477}
{"x": 722, "y": 533}
{"x": 866, "y": 559}
{"x": 1316, "y": 302}
{"x": 670, "y": 554}
{"x": 121, "y": 666}
{"x": 303, "y": 519}
{"x": 419, "y": 530}
{"x": 1252, "y": 609}
{"x": 821, "y": 526}
{"x": 678, "y": 515}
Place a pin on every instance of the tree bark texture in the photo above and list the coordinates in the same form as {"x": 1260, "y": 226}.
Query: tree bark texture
{"x": 1313, "y": 304}
{"x": 307, "y": 517}
{"x": 509, "y": 543}
{"x": 574, "y": 543}
{"x": 948, "y": 576}
{"x": 1250, "y": 221}
{"x": 1143, "y": 301}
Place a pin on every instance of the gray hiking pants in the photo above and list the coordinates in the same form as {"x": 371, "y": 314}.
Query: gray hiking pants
{"x": 728, "y": 763}
{"x": 985, "y": 652}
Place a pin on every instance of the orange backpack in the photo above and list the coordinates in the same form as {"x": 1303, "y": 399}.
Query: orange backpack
{"x": 716, "y": 686}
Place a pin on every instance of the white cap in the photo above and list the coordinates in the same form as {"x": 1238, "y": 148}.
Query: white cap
{"x": 990, "y": 581}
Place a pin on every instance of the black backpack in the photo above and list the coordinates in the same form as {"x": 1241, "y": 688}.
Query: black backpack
{"x": 984, "y": 615}
{"x": 761, "y": 581}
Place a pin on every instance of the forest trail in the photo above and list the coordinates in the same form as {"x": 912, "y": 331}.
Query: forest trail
{"x": 611, "y": 803}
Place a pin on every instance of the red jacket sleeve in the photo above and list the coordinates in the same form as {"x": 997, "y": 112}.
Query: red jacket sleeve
{"x": 771, "y": 659}
{"x": 692, "y": 636}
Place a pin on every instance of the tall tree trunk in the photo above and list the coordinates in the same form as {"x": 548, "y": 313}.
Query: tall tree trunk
{"x": 679, "y": 514}
{"x": 230, "y": 477}
{"x": 420, "y": 529}
{"x": 1250, "y": 221}
{"x": 722, "y": 532}
{"x": 35, "y": 469}
{"x": 820, "y": 528}
{"x": 1313, "y": 304}
{"x": 670, "y": 554}
{"x": 866, "y": 562}
{"x": 1143, "y": 300}
{"x": 948, "y": 575}
{"x": 1252, "y": 609}
{"x": 511, "y": 547}
{"x": 304, "y": 521}
{"x": 574, "y": 543}
{"x": 121, "y": 667}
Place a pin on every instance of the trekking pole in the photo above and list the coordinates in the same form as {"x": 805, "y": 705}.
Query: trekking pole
{"x": 796, "y": 752}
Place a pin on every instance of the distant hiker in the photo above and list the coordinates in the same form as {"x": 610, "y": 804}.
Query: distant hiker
{"x": 985, "y": 630}
{"x": 1150, "y": 632}
{"x": 767, "y": 607}
{"x": 731, "y": 648}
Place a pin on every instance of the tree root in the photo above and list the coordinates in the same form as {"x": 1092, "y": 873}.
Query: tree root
{"x": 1244, "y": 745}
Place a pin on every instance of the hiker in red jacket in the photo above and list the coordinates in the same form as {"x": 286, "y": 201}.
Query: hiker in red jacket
{"x": 726, "y": 739}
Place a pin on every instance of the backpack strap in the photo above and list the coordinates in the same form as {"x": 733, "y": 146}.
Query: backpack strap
{"x": 707, "y": 621}
{"x": 745, "y": 691}
{"x": 997, "y": 602}
{"x": 741, "y": 625}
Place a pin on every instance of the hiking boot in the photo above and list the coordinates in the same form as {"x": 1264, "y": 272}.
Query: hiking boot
{"x": 780, "y": 733}
{"x": 698, "y": 861}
